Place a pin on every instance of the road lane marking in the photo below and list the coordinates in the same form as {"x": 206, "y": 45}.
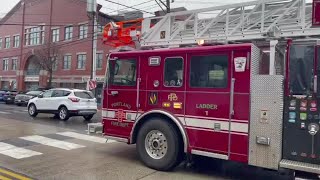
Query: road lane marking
{"x": 3, "y": 112}
{"x": 52, "y": 142}
{"x": 4, "y": 178}
{"x": 16, "y": 152}
{"x": 85, "y": 137}
{"x": 13, "y": 174}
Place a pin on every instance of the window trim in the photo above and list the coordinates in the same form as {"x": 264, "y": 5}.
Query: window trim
{"x": 202, "y": 54}
{"x": 12, "y": 60}
{"x": 68, "y": 54}
{"x": 164, "y": 71}
{"x": 5, "y": 42}
{"x": 42, "y": 32}
{"x": 13, "y": 40}
{"x": 7, "y": 64}
{"x": 99, "y": 68}
{"x": 71, "y": 32}
{"x": 84, "y": 68}
{"x": 86, "y": 26}
{"x": 54, "y": 36}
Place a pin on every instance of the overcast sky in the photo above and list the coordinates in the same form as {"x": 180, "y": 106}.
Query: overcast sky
{"x": 146, "y": 5}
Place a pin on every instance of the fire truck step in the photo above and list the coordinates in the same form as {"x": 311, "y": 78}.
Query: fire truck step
{"x": 86, "y": 137}
{"x": 300, "y": 166}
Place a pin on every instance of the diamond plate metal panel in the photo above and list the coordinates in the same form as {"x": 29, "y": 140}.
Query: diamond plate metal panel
{"x": 255, "y": 60}
{"x": 265, "y": 138}
{"x": 300, "y": 166}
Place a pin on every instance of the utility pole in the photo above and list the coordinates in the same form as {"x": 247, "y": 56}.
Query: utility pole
{"x": 92, "y": 13}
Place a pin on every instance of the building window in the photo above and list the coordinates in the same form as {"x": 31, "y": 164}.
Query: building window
{"x": 100, "y": 28}
{"x": 68, "y": 33}
{"x": 34, "y": 35}
{"x": 14, "y": 64}
{"x": 0, "y": 43}
{"x": 7, "y": 42}
{"x": 81, "y": 63}
{"x": 5, "y": 64}
{"x": 209, "y": 71}
{"x": 99, "y": 60}
{"x": 83, "y": 31}
{"x": 54, "y": 63}
{"x": 67, "y": 62}
{"x": 55, "y": 35}
{"x": 16, "y": 41}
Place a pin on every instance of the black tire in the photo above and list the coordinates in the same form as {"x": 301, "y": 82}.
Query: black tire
{"x": 173, "y": 155}
{"x": 32, "y": 113}
{"x": 63, "y": 110}
{"x": 88, "y": 117}
{"x": 18, "y": 104}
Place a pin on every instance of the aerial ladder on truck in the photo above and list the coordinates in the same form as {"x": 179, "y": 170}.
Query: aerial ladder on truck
{"x": 265, "y": 22}
{"x": 288, "y": 31}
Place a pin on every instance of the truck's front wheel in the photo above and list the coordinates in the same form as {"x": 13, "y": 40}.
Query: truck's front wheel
{"x": 158, "y": 145}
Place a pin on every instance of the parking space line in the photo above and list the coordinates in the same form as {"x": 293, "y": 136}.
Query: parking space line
{"x": 3, "y": 112}
{"x": 52, "y": 142}
{"x": 12, "y": 174}
{"x": 16, "y": 152}
{"x": 85, "y": 137}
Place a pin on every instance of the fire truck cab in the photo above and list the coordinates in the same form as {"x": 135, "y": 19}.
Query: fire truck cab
{"x": 253, "y": 100}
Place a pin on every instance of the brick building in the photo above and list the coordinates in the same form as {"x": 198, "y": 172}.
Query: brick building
{"x": 33, "y": 23}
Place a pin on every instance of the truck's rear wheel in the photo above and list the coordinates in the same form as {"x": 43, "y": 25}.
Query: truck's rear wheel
{"x": 158, "y": 145}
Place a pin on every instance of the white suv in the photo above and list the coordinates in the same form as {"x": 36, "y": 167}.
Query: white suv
{"x": 64, "y": 103}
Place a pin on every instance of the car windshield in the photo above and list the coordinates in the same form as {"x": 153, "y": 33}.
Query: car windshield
{"x": 34, "y": 92}
{"x": 84, "y": 94}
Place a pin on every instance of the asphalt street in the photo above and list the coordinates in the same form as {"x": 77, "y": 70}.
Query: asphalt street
{"x": 47, "y": 148}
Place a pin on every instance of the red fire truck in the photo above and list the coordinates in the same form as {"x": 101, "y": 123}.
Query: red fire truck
{"x": 236, "y": 82}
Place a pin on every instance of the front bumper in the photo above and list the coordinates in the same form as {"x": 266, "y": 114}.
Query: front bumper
{"x": 19, "y": 101}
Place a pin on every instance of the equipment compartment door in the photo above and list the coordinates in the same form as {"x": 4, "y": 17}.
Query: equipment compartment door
{"x": 122, "y": 94}
{"x": 208, "y": 101}
{"x": 301, "y": 136}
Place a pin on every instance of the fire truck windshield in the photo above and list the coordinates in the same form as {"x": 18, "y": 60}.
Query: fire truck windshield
{"x": 301, "y": 68}
{"x": 122, "y": 72}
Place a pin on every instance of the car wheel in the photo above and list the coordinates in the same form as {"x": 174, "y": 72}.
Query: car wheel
{"x": 18, "y": 104}
{"x": 63, "y": 113}
{"x": 88, "y": 117}
{"x": 158, "y": 145}
{"x": 32, "y": 110}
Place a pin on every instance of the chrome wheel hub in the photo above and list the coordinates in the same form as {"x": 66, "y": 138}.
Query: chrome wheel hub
{"x": 156, "y": 144}
{"x": 62, "y": 113}
{"x": 31, "y": 110}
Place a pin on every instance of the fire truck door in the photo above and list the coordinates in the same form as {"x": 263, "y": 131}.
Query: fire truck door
{"x": 301, "y": 136}
{"x": 122, "y": 92}
{"x": 163, "y": 83}
{"x": 208, "y": 101}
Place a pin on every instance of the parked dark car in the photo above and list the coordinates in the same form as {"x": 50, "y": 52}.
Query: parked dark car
{"x": 9, "y": 97}
{"x": 2, "y": 93}
{"x": 23, "y": 98}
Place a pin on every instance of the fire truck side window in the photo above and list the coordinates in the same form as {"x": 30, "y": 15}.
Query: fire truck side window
{"x": 123, "y": 72}
{"x": 301, "y": 68}
{"x": 209, "y": 71}
{"x": 173, "y": 72}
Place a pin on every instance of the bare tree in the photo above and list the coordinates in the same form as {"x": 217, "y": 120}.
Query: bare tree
{"x": 48, "y": 57}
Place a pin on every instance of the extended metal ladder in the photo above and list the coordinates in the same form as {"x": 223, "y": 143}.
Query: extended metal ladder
{"x": 242, "y": 22}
